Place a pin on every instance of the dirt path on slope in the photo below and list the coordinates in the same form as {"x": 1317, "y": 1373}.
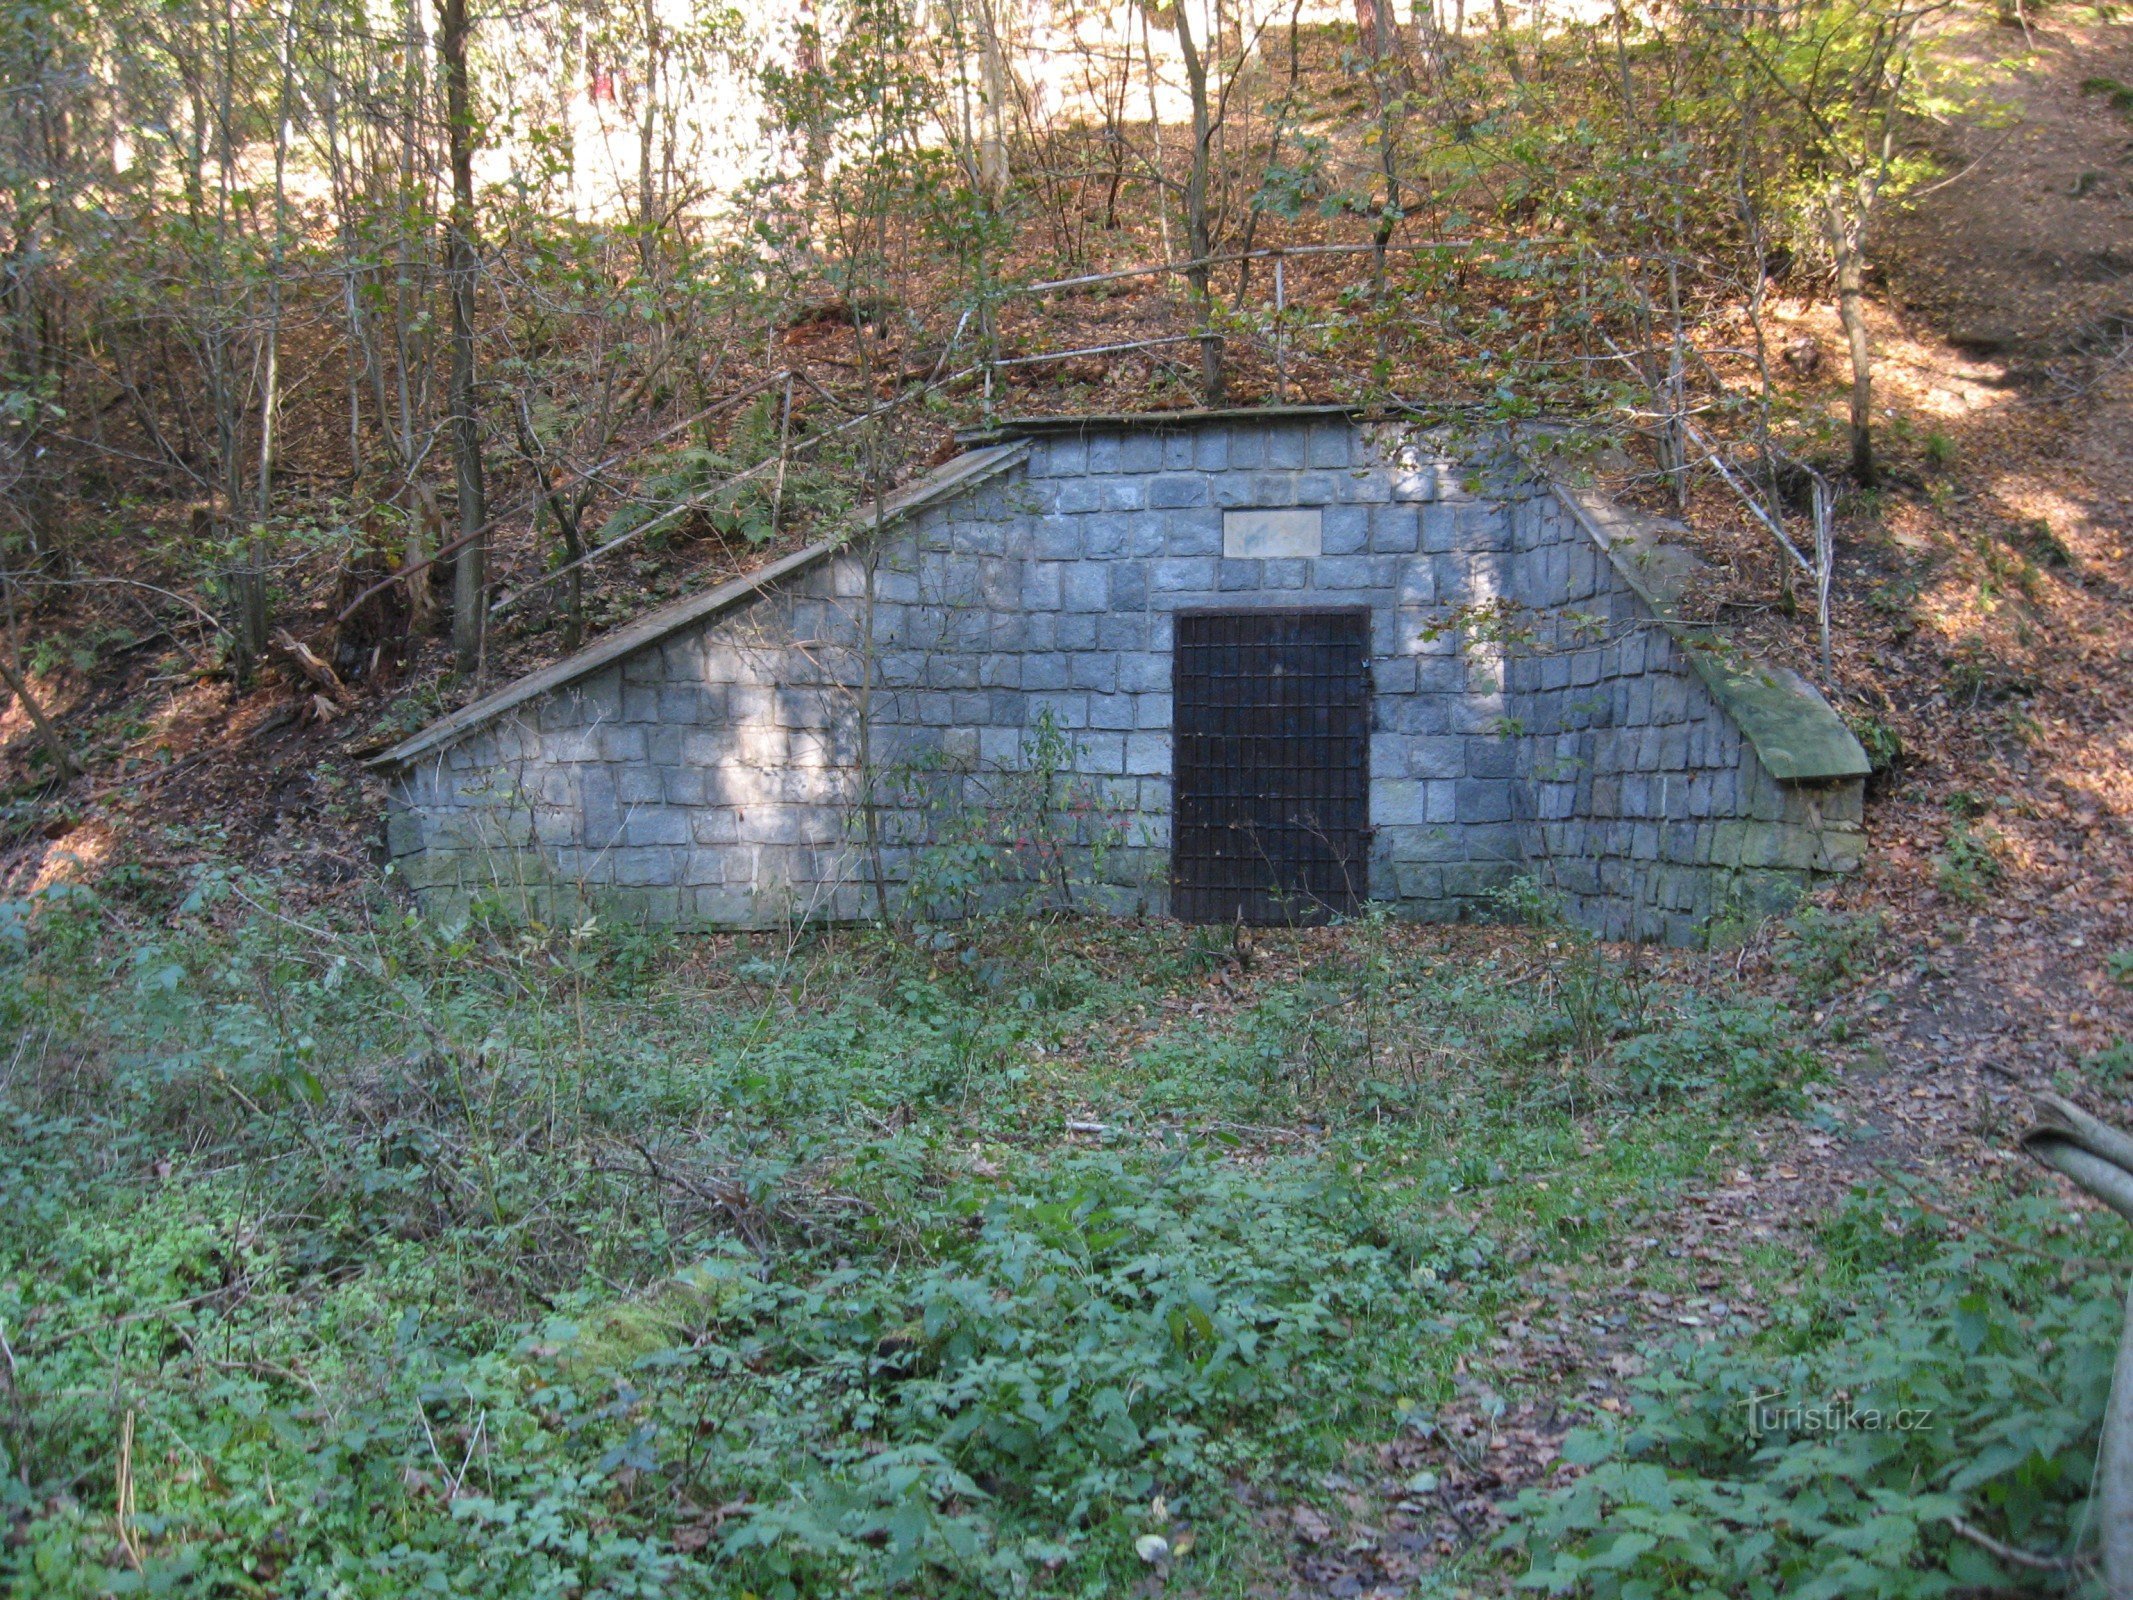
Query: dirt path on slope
{"x": 2024, "y": 261}
{"x": 2025, "y": 251}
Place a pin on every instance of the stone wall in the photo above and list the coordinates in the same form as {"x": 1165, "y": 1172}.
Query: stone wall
{"x": 1558, "y": 725}
{"x": 1642, "y": 802}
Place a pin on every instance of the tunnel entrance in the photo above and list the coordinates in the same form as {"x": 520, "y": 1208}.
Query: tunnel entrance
{"x": 1271, "y": 813}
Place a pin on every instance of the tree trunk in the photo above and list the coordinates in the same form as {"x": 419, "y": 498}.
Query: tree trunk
{"x": 572, "y": 77}
{"x": 648, "y": 200}
{"x": 2099, "y": 1158}
{"x": 424, "y": 534}
{"x": 1198, "y": 238}
{"x": 1390, "y": 114}
{"x": 1847, "y": 245}
{"x": 362, "y": 364}
{"x": 1370, "y": 28}
{"x": 993, "y": 170}
{"x": 245, "y": 593}
{"x": 406, "y": 340}
{"x": 62, "y": 758}
{"x": 470, "y": 571}
{"x": 2114, "y": 1467}
{"x": 270, "y": 389}
{"x": 807, "y": 54}
{"x": 1429, "y": 34}
{"x": 245, "y": 586}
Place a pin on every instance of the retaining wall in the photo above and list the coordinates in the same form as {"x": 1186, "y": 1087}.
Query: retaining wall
{"x": 1536, "y": 709}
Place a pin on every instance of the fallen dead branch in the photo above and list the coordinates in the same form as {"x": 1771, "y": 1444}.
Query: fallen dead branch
{"x": 320, "y": 690}
{"x": 800, "y": 1210}
{"x": 2014, "y": 1555}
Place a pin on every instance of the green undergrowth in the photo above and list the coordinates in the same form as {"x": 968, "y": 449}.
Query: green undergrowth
{"x": 357, "y": 1256}
{"x": 1920, "y": 1418}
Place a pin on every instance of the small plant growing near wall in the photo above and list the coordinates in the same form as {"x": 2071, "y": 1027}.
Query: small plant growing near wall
{"x": 1501, "y": 622}
{"x": 1826, "y": 950}
{"x": 1883, "y": 744}
{"x": 1020, "y": 840}
{"x": 1971, "y": 862}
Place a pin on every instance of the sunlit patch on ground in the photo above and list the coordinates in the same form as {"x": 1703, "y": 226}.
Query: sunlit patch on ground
{"x": 77, "y": 858}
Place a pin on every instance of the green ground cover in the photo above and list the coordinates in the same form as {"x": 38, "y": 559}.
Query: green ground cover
{"x": 354, "y": 1256}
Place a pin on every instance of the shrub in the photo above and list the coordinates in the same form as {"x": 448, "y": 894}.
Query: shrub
{"x": 1108, "y": 1336}
{"x": 1964, "y": 1382}
{"x": 1883, "y": 744}
{"x": 493, "y": 1265}
{"x": 539, "y": 1262}
{"x": 1825, "y": 950}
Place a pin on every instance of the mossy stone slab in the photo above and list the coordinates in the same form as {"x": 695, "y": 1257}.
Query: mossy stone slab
{"x": 1797, "y": 736}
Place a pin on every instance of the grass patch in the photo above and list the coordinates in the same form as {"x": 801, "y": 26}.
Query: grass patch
{"x": 371, "y": 1257}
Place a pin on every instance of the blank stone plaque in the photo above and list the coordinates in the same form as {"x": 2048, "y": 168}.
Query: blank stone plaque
{"x": 1291, "y": 535}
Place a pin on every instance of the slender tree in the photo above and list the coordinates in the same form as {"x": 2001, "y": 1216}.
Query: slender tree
{"x": 1199, "y": 235}
{"x": 469, "y": 609}
{"x": 1848, "y": 72}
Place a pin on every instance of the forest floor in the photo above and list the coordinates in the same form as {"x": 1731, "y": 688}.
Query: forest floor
{"x": 2012, "y": 341}
{"x": 1987, "y": 619}
{"x": 1984, "y": 619}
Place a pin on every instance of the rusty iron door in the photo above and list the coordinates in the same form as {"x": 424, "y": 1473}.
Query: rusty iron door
{"x": 1271, "y": 765}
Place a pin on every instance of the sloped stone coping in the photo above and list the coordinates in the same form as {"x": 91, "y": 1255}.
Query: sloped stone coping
{"x": 951, "y": 478}
{"x": 1797, "y": 736}
{"x": 1794, "y": 731}
{"x": 1006, "y": 428}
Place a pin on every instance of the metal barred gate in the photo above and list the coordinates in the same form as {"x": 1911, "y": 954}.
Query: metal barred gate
{"x": 1271, "y": 764}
